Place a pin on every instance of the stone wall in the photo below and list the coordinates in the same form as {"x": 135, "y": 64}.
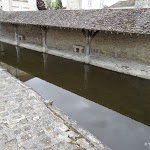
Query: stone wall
{"x": 7, "y": 30}
{"x": 130, "y": 47}
{"x": 64, "y": 39}
{"x": 30, "y": 34}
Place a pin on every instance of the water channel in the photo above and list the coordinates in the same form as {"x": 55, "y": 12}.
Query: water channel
{"x": 112, "y": 106}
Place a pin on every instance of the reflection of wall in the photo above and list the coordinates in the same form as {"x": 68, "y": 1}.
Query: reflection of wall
{"x": 16, "y": 72}
{"x": 132, "y": 47}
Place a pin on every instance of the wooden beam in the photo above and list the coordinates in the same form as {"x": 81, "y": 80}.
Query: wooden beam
{"x": 16, "y": 34}
{"x": 89, "y": 35}
{"x": 44, "y": 39}
{"x": 94, "y": 34}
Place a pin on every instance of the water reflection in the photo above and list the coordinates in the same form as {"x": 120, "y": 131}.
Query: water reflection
{"x": 21, "y": 75}
{"x": 45, "y": 57}
{"x": 2, "y": 52}
{"x": 18, "y": 53}
{"x": 117, "y": 131}
{"x": 124, "y": 94}
{"x": 86, "y": 70}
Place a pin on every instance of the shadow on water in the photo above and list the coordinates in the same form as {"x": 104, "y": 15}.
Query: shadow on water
{"x": 124, "y": 94}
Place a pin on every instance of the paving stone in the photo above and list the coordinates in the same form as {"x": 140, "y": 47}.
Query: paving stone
{"x": 83, "y": 143}
{"x": 11, "y": 143}
{"x": 24, "y": 121}
{"x": 28, "y": 124}
{"x": 2, "y": 109}
{"x": 22, "y": 148}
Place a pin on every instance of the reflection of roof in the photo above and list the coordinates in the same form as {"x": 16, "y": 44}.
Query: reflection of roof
{"x": 119, "y": 20}
{"x": 124, "y": 4}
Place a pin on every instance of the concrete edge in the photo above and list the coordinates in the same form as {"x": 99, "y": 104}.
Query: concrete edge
{"x": 73, "y": 124}
{"x": 122, "y": 66}
{"x": 67, "y": 120}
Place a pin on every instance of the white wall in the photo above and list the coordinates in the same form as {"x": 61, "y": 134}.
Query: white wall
{"x": 73, "y": 4}
{"x": 84, "y": 4}
{"x": 95, "y": 4}
{"x": 64, "y": 3}
{"x": 0, "y": 4}
{"x": 26, "y": 5}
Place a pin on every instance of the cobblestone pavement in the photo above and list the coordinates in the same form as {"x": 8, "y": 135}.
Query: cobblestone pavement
{"x": 27, "y": 122}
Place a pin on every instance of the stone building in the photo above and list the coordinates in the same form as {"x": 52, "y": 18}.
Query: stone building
{"x": 85, "y": 4}
{"x": 73, "y": 4}
{"x": 18, "y": 5}
{"x": 131, "y": 4}
{"x": 87, "y": 36}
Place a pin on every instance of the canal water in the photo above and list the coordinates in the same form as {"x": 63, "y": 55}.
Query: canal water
{"x": 112, "y": 106}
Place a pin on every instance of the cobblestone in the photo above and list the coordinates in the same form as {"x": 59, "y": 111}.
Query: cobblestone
{"x": 27, "y": 123}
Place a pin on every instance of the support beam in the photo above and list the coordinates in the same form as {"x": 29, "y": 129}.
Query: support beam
{"x": 89, "y": 35}
{"x": 44, "y": 42}
{"x": 16, "y": 34}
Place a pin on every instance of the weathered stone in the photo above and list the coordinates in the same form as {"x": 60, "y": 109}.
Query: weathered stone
{"x": 26, "y": 137}
{"x": 64, "y": 128}
{"x": 83, "y": 143}
{"x": 72, "y": 134}
{"x": 27, "y": 128}
{"x": 4, "y": 114}
{"x": 24, "y": 121}
{"x": 3, "y": 137}
{"x": 48, "y": 147}
{"x": 16, "y": 132}
{"x": 1, "y": 128}
{"x": 22, "y": 148}
{"x": 36, "y": 118}
{"x": 11, "y": 143}
{"x": 41, "y": 132}
{"x": 2, "y": 109}
{"x": 11, "y": 126}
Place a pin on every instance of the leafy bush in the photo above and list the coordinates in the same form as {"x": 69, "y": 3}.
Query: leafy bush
{"x": 54, "y": 5}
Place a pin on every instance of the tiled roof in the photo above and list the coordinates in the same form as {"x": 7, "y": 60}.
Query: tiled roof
{"x": 126, "y": 20}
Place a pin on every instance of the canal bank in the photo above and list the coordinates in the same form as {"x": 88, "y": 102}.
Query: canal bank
{"x": 117, "y": 40}
{"x": 94, "y": 97}
{"x": 120, "y": 65}
{"x": 29, "y": 122}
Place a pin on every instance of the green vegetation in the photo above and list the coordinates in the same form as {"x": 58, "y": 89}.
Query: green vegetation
{"x": 54, "y": 5}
